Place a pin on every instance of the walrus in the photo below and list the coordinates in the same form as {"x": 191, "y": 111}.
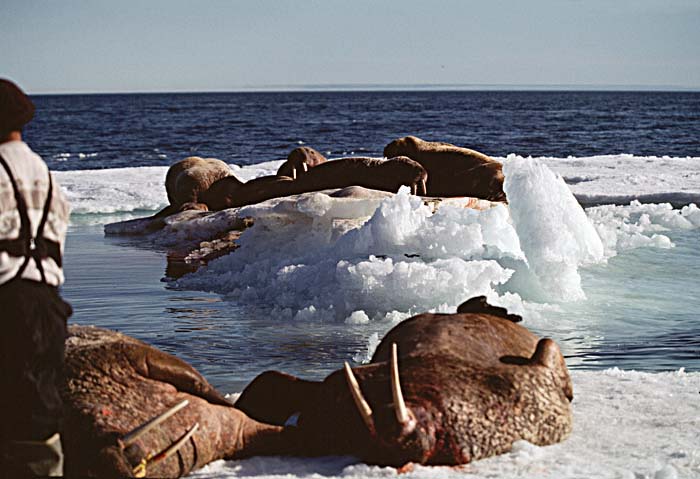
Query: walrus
{"x": 299, "y": 161}
{"x": 452, "y": 170}
{"x": 188, "y": 179}
{"x": 441, "y": 389}
{"x": 384, "y": 175}
{"x": 230, "y": 192}
{"x": 116, "y": 384}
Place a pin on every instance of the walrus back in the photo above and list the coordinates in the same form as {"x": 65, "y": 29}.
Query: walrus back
{"x": 115, "y": 383}
{"x": 188, "y": 178}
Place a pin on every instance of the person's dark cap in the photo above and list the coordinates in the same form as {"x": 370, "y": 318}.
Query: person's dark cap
{"x": 16, "y": 109}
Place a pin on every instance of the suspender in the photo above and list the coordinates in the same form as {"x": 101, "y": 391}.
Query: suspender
{"x": 26, "y": 246}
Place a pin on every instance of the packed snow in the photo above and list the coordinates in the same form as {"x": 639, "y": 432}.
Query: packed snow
{"x": 627, "y": 425}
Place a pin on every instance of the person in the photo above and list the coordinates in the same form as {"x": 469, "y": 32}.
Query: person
{"x": 33, "y": 222}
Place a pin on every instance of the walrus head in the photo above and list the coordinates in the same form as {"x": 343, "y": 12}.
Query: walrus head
{"x": 299, "y": 161}
{"x": 406, "y": 146}
{"x": 421, "y": 423}
{"x": 487, "y": 182}
{"x": 397, "y": 432}
{"x": 406, "y": 172}
{"x": 220, "y": 195}
{"x": 440, "y": 389}
{"x": 359, "y": 411}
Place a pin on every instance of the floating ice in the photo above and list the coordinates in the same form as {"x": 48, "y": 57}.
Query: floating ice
{"x": 114, "y": 190}
{"x": 318, "y": 256}
{"x": 327, "y": 257}
{"x": 619, "y": 179}
{"x": 130, "y": 189}
{"x": 321, "y": 257}
{"x": 556, "y": 236}
{"x": 637, "y": 225}
{"x": 357, "y": 317}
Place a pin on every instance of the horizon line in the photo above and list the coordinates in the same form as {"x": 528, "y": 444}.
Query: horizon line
{"x": 379, "y": 87}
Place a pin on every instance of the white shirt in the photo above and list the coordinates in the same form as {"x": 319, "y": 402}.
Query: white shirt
{"x": 32, "y": 177}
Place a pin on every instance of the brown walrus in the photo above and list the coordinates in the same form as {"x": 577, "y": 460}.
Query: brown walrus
{"x": 461, "y": 387}
{"x": 299, "y": 161}
{"x": 230, "y": 192}
{"x": 188, "y": 179}
{"x": 115, "y": 383}
{"x": 452, "y": 170}
{"x": 384, "y": 175}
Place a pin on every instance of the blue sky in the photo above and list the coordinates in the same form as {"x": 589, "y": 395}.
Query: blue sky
{"x": 224, "y": 45}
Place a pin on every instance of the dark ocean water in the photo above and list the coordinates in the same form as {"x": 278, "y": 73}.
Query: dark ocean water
{"x": 74, "y": 132}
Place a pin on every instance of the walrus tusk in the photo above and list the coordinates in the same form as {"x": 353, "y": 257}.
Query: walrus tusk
{"x": 305, "y": 166}
{"x": 414, "y": 189}
{"x": 294, "y": 173}
{"x": 130, "y": 437}
{"x": 140, "y": 469}
{"x": 360, "y": 402}
{"x": 402, "y": 415}
{"x": 423, "y": 188}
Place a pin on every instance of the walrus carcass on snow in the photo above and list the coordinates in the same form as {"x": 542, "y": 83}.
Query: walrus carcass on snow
{"x": 132, "y": 410}
{"x": 440, "y": 389}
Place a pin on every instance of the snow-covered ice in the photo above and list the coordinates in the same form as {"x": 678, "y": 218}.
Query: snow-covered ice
{"x": 627, "y": 425}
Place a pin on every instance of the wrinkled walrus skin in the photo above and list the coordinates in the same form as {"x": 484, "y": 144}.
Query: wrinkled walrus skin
{"x": 452, "y": 170}
{"x": 473, "y": 383}
{"x": 115, "y": 383}
{"x": 299, "y": 161}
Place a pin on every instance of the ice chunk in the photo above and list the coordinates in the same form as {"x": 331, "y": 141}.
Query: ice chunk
{"x": 357, "y": 317}
{"x": 555, "y": 233}
{"x": 321, "y": 256}
{"x": 330, "y": 257}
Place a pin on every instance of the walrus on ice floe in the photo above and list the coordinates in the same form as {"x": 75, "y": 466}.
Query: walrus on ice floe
{"x": 116, "y": 385}
{"x": 440, "y": 389}
{"x": 299, "y": 161}
{"x": 188, "y": 179}
{"x": 384, "y": 175}
{"x": 452, "y": 170}
{"x": 230, "y": 192}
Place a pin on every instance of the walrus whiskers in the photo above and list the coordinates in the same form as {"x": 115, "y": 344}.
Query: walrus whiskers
{"x": 360, "y": 402}
{"x": 402, "y": 414}
{"x": 131, "y": 437}
{"x": 140, "y": 469}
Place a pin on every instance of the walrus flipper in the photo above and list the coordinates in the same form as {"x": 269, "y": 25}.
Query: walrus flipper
{"x": 160, "y": 366}
{"x": 260, "y": 399}
{"x": 479, "y": 304}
